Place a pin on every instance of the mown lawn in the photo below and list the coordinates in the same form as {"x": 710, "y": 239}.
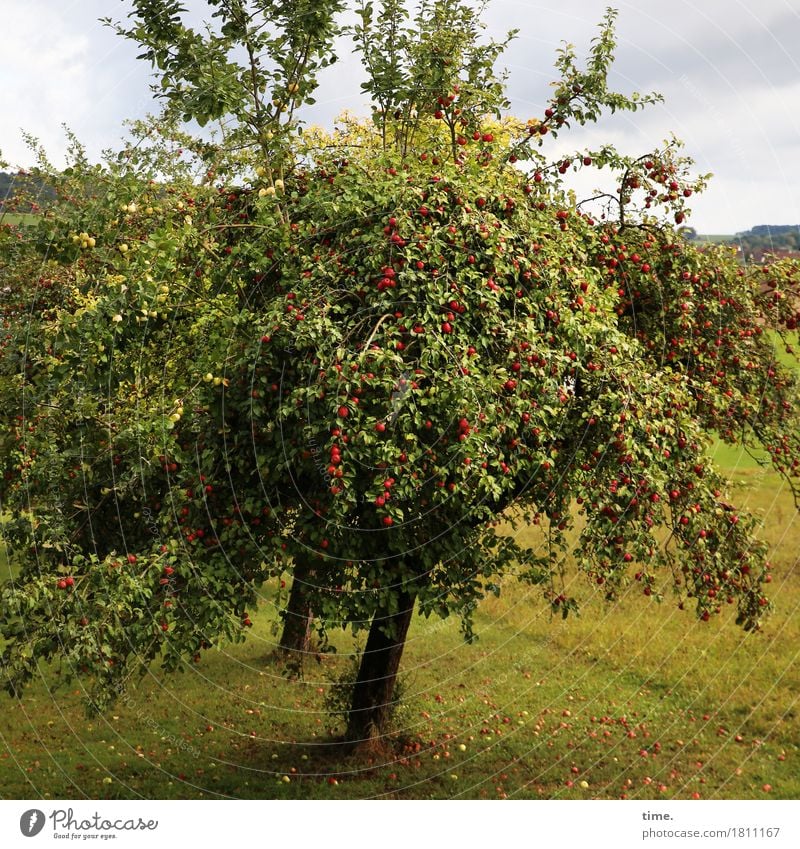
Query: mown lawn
{"x": 637, "y": 700}
{"x": 16, "y": 218}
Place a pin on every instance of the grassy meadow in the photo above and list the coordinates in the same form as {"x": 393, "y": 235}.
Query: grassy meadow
{"x": 17, "y": 219}
{"x": 637, "y": 700}
{"x": 715, "y": 238}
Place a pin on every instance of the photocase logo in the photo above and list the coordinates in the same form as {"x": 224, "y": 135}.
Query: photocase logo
{"x": 31, "y": 822}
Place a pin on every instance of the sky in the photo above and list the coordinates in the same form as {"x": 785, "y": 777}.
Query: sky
{"x": 729, "y": 71}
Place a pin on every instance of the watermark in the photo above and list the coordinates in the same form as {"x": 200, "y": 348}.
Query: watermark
{"x": 32, "y": 822}
{"x": 64, "y": 824}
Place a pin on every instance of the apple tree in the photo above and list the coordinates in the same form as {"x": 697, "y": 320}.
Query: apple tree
{"x": 342, "y": 357}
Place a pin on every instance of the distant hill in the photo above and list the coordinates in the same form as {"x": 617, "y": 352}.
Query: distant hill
{"x": 771, "y": 230}
{"x": 769, "y": 237}
{"x": 753, "y": 245}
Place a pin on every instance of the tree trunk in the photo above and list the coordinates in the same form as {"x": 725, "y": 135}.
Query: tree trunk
{"x": 297, "y": 617}
{"x": 372, "y": 695}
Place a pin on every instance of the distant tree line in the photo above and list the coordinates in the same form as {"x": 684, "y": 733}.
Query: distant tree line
{"x": 769, "y": 237}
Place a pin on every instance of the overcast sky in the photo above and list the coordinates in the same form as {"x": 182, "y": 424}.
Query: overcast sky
{"x": 729, "y": 71}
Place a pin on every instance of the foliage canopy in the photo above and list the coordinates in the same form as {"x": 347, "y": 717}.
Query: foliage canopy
{"x": 357, "y": 349}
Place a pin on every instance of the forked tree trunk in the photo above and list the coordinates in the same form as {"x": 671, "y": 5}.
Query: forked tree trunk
{"x": 296, "y": 636}
{"x": 374, "y": 688}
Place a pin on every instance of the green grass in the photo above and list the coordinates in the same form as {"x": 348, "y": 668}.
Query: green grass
{"x": 715, "y": 238}
{"x": 638, "y": 699}
{"x": 734, "y": 457}
{"x": 17, "y": 218}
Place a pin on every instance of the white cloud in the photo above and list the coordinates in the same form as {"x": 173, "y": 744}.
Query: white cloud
{"x": 49, "y": 81}
{"x": 61, "y": 66}
{"x": 728, "y": 69}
